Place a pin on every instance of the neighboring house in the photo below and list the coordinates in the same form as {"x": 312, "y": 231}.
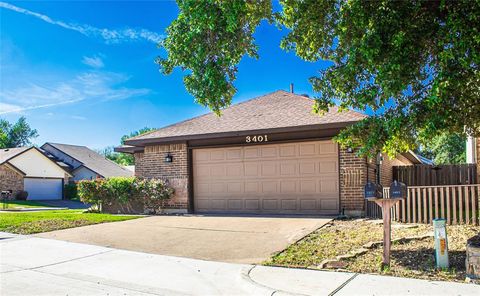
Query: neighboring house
{"x": 28, "y": 169}
{"x": 85, "y": 164}
{"x": 267, "y": 155}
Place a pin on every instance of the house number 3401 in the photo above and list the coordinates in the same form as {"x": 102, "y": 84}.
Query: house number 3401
{"x": 256, "y": 139}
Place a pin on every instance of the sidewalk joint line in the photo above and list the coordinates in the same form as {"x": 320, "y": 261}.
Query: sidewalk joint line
{"x": 343, "y": 285}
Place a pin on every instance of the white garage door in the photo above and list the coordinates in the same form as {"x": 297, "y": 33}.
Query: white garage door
{"x": 291, "y": 178}
{"x": 43, "y": 189}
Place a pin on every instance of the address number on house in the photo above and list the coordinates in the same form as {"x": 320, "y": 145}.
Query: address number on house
{"x": 256, "y": 139}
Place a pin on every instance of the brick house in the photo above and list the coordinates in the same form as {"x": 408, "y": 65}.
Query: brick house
{"x": 267, "y": 155}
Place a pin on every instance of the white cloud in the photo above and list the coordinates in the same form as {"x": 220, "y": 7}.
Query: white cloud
{"x": 77, "y": 117}
{"x": 92, "y": 85}
{"x": 94, "y": 62}
{"x": 108, "y": 35}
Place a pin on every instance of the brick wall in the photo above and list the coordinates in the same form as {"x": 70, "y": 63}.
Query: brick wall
{"x": 151, "y": 164}
{"x": 10, "y": 179}
{"x": 386, "y": 168}
{"x": 353, "y": 176}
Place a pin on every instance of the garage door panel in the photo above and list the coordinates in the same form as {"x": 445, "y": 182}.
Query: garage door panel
{"x": 274, "y": 178}
{"x": 308, "y": 204}
{"x": 308, "y": 186}
{"x": 235, "y": 204}
{"x": 288, "y": 151}
{"x": 327, "y": 167}
{"x": 234, "y": 187}
{"x": 328, "y": 186}
{"x": 307, "y": 168}
{"x": 328, "y": 148}
{"x": 235, "y": 170}
{"x": 234, "y": 154}
{"x": 252, "y": 204}
{"x": 268, "y": 151}
{"x": 251, "y": 153}
{"x": 43, "y": 189}
{"x": 289, "y": 204}
{"x": 269, "y": 187}
{"x": 251, "y": 187}
{"x": 328, "y": 204}
{"x": 270, "y": 204}
{"x": 269, "y": 169}
{"x": 288, "y": 186}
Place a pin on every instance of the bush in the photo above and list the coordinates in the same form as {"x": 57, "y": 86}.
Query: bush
{"x": 21, "y": 195}
{"x": 71, "y": 191}
{"x": 124, "y": 191}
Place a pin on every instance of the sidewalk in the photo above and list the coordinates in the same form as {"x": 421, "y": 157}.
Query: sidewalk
{"x": 38, "y": 266}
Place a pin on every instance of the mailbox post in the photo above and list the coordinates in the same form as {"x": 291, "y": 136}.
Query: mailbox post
{"x": 374, "y": 192}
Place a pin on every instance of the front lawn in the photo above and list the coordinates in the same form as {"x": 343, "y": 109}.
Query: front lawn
{"x": 412, "y": 257}
{"x": 20, "y": 204}
{"x": 44, "y": 221}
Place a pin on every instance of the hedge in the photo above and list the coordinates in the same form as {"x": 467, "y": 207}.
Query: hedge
{"x": 124, "y": 191}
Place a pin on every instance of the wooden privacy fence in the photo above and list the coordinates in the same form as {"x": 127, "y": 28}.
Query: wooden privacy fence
{"x": 459, "y": 204}
{"x": 427, "y": 175}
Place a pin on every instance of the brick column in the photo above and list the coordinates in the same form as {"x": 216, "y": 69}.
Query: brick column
{"x": 353, "y": 177}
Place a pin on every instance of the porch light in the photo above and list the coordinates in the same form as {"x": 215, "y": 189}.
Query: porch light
{"x": 168, "y": 157}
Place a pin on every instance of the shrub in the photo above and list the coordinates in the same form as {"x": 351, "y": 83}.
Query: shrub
{"x": 153, "y": 192}
{"x": 71, "y": 191}
{"x": 124, "y": 191}
{"x": 21, "y": 195}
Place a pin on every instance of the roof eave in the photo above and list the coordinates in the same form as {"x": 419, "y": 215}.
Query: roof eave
{"x": 143, "y": 142}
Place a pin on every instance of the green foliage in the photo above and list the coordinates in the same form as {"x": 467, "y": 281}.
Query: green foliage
{"x": 413, "y": 64}
{"x": 445, "y": 149}
{"x": 71, "y": 192}
{"x": 119, "y": 158}
{"x": 136, "y": 133}
{"x": 18, "y": 134}
{"x": 124, "y": 190}
{"x": 123, "y": 158}
{"x": 209, "y": 38}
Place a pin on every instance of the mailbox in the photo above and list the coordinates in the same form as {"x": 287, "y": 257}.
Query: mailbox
{"x": 398, "y": 190}
{"x": 373, "y": 190}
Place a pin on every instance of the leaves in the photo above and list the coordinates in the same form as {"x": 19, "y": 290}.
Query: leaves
{"x": 18, "y": 134}
{"x": 413, "y": 64}
{"x": 209, "y": 38}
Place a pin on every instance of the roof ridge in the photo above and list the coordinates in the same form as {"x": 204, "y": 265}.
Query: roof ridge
{"x": 202, "y": 115}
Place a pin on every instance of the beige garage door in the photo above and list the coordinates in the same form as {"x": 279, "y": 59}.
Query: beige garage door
{"x": 289, "y": 178}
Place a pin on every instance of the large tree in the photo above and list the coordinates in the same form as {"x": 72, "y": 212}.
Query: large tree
{"x": 123, "y": 158}
{"x": 413, "y": 65}
{"x": 447, "y": 148}
{"x": 16, "y": 134}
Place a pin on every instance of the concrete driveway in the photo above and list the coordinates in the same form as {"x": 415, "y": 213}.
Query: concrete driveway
{"x": 218, "y": 238}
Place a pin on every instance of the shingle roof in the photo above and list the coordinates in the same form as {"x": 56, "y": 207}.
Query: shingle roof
{"x": 9, "y": 153}
{"x": 93, "y": 161}
{"x": 279, "y": 109}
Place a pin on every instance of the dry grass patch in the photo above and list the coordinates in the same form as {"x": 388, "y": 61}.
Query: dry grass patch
{"x": 414, "y": 258}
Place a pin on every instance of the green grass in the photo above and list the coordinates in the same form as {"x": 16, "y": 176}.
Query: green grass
{"x": 19, "y": 204}
{"x": 36, "y": 222}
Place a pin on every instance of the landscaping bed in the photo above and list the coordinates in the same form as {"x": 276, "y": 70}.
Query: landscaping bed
{"x": 44, "y": 221}
{"x": 413, "y": 257}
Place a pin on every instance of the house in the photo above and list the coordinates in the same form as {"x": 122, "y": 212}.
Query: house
{"x": 268, "y": 155}
{"x": 28, "y": 169}
{"x": 84, "y": 163}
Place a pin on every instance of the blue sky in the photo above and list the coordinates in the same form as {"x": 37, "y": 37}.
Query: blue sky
{"x": 83, "y": 72}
